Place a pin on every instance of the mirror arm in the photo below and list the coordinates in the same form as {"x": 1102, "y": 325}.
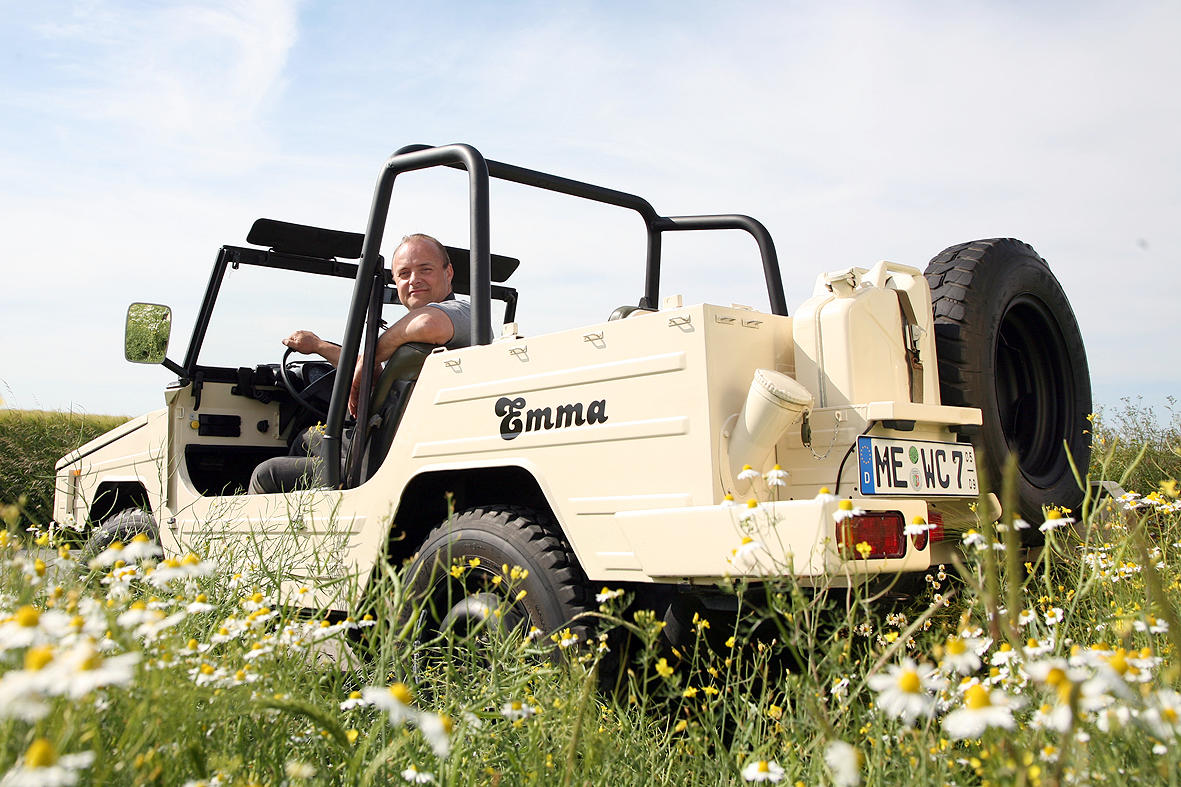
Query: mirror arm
{"x": 173, "y": 367}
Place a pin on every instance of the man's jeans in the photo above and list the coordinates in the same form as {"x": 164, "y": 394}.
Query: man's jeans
{"x": 302, "y": 469}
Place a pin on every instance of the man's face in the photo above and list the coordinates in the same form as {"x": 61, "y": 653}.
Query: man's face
{"x": 419, "y": 275}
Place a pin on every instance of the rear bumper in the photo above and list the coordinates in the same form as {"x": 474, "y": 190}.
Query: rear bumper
{"x": 788, "y": 538}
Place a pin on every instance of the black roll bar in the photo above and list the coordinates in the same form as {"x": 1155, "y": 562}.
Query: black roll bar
{"x": 479, "y": 169}
{"x": 465, "y": 157}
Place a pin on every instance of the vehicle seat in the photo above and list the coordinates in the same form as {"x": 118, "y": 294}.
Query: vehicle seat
{"x": 390, "y": 395}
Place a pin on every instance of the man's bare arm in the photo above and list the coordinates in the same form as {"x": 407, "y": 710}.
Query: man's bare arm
{"x": 426, "y": 324}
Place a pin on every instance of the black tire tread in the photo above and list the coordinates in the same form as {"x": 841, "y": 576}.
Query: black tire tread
{"x": 120, "y": 526}
{"x": 951, "y": 276}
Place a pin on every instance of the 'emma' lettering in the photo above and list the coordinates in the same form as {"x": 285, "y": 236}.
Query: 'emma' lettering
{"x": 515, "y": 418}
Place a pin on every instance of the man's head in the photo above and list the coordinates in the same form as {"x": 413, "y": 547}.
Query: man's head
{"x": 422, "y": 271}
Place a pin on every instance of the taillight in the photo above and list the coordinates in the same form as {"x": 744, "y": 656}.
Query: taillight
{"x": 935, "y": 520}
{"x": 932, "y": 530}
{"x": 881, "y": 530}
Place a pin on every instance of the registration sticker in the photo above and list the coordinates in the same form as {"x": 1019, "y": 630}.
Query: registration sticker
{"x": 916, "y": 467}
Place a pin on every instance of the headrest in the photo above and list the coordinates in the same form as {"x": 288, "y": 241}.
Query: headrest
{"x": 461, "y": 263}
{"x": 288, "y": 238}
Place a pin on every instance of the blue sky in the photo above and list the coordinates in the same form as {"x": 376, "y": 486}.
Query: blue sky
{"x": 138, "y": 137}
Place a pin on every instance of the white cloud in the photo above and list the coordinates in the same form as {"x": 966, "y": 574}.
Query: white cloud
{"x": 176, "y": 82}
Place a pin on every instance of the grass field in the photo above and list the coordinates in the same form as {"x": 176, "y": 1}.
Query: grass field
{"x": 31, "y": 441}
{"x": 1061, "y": 670}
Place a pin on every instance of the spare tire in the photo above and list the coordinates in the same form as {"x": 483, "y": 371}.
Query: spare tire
{"x": 1008, "y": 343}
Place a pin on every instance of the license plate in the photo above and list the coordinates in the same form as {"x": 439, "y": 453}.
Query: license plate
{"x": 916, "y": 467}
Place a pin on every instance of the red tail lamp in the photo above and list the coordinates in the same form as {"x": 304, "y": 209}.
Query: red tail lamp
{"x": 935, "y": 519}
{"x": 882, "y": 530}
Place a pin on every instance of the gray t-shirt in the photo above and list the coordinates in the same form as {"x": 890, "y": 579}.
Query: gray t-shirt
{"x": 460, "y": 314}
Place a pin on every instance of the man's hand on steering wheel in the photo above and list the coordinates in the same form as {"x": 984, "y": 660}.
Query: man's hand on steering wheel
{"x": 304, "y": 342}
{"x": 308, "y": 342}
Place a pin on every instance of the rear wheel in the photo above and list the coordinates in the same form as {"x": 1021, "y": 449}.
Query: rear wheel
{"x": 1008, "y": 343}
{"x": 471, "y": 571}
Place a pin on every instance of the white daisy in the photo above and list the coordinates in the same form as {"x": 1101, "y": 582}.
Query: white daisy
{"x": 763, "y": 771}
{"x": 516, "y": 710}
{"x": 844, "y": 761}
{"x": 959, "y": 655}
{"x": 415, "y": 776}
{"x": 904, "y": 690}
{"x": 746, "y": 549}
{"x": 187, "y": 568}
{"x": 32, "y": 626}
{"x": 748, "y": 473}
{"x": 355, "y": 700}
{"x": 982, "y": 709}
{"x": 42, "y": 767}
{"x": 1054, "y": 520}
{"x": 776, "y": 476}
{"x": 396, "y": 699}
{"x": 917, "y": 527}
{"x": 606, "y": 595}
{"x": 436, "y": 729}
{"x": 1163, "y": 714}
{"x": 81, "y": 670}
{"x": 846, "y": 510}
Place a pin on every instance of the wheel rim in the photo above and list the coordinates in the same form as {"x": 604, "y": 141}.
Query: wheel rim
{"x": 466, "y": 604}
{"x": 480, "y": 610}
{"x": 1034, "y": 389}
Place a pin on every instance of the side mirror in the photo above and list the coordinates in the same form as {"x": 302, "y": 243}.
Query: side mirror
{"x": 145, "y": 339}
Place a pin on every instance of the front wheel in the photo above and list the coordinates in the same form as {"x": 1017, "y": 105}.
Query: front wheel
{"x": 501, "y": 567}
{"x": 122, "y": 526}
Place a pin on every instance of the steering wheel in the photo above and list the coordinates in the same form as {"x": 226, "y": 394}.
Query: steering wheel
{"x": 316, "y": 388}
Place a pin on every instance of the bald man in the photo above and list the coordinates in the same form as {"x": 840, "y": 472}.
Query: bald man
{"x": 422, "y": 275}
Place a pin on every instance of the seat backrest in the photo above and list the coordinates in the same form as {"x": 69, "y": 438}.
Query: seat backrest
{"x": 390, "y": 395}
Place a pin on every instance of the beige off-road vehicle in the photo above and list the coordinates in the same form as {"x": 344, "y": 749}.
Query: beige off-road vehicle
{"x": 621, "y": 453}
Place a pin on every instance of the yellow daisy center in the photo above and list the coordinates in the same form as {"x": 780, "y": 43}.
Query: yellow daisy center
{"x": 956, "y": 647}
{"x": 976, "y": 697}
{"x": 401, "y": 692}
{"x": 909, "y": 682}
{"x": 37, "y": 657}
{"x": 28, "y": 617}
{"x": 40, "y": 754}
{"x": 92, "y": 661}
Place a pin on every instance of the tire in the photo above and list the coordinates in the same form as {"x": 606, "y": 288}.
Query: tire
{"x": 1008, "y": 343}
{"x": 556, "y": 590}
{"x": 122, "y": 526}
